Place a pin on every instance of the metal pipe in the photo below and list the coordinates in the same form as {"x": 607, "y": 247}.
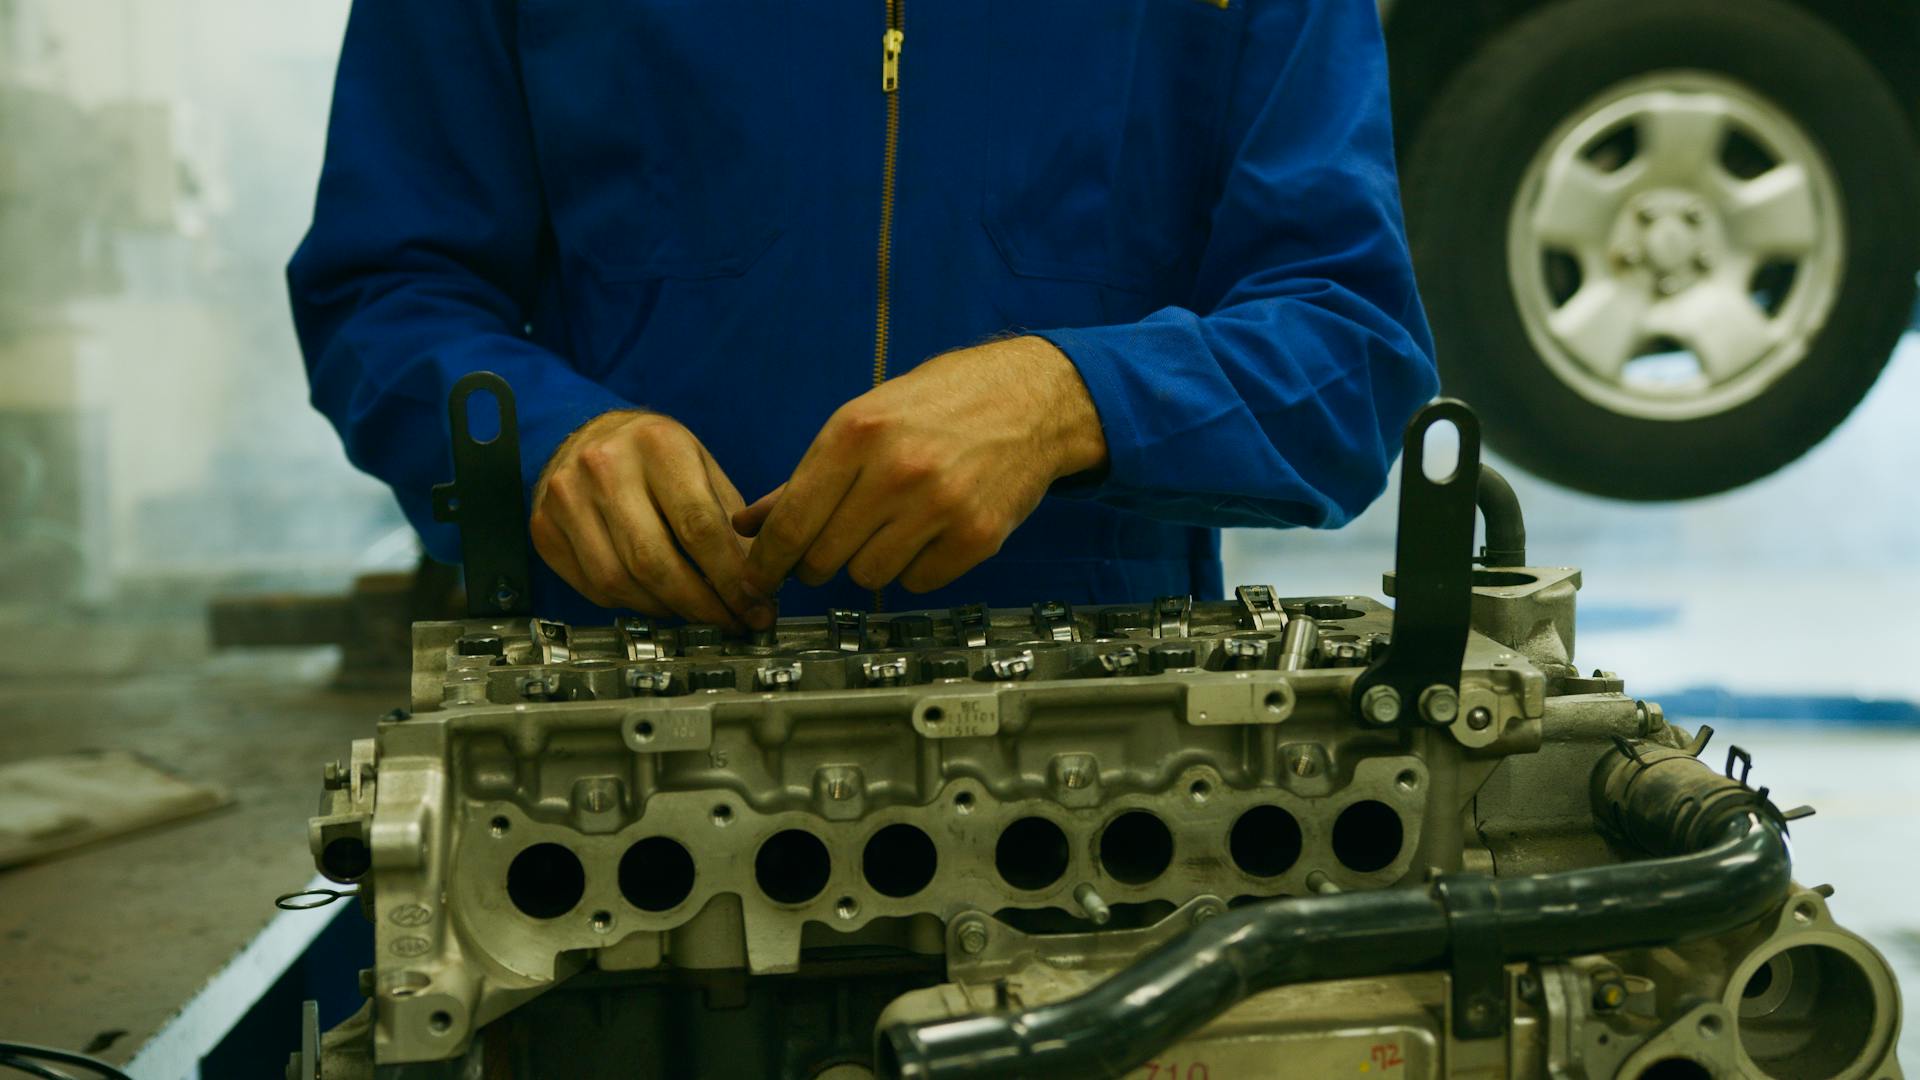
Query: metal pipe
{"x": 1741, "y": 873}
{"x": 1506, "y": 526}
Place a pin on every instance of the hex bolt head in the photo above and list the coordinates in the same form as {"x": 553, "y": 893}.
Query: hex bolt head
{"x": 333, "y": 776}
{"x": 1380, "y": 704}
{"x": 1439, "y": 704}
{"x": 1609, "y": 992}
{"x": 972, "y": 937}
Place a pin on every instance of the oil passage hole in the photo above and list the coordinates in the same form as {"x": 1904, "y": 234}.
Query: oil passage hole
{"x": 656, "y": 874}
{"x": 1136, "y": 847}
{"x": 1367, "y": 836}
{"x": 1265, "y": 841}
{"x": 899, "y": 860}
{"x": 440, "y": 1022}
{"x": 345, "y": 858}
{"x": 792, "y": 867}
{"x": 545, "y": 881}
{"x": 1031, "y": 854}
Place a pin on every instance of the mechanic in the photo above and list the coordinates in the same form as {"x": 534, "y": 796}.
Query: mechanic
{"x": 1153, "y": 249}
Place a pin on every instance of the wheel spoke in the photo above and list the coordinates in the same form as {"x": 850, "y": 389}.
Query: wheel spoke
{"x": 1680, "y": 138}
{"x": 1725, "y": 329}
{"x": 1577, "y": 205}
{"x": 1603, "y": 324}
{"x": 1774, "y": 213}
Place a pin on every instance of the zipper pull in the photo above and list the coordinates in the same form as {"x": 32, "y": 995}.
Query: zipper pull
{"x": 890, "y": 60}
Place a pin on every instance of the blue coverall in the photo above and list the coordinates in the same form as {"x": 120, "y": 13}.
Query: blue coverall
{"x": 676, "y": 204}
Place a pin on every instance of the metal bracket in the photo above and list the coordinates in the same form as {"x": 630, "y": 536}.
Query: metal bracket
{"x": 1418, "y": 677}
{"x": 488, "y": 503}
{"x": 1480, "y": 1001}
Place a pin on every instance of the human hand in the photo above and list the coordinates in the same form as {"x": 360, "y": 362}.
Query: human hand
{"x": 923, "y": 477}
{"x": 623, "y": 506}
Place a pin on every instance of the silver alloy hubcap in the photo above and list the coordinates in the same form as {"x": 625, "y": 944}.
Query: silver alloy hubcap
{"x": 1675, "y": 245}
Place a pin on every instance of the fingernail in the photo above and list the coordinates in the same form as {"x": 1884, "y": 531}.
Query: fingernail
{"x": 760, "y": 616}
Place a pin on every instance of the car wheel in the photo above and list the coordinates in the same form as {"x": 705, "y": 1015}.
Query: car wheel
{"x": 1665, "y": 245}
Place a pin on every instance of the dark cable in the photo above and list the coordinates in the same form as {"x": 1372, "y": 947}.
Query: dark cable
{"x": 13, "y": 1050}
{"x": 44, "y": 1072}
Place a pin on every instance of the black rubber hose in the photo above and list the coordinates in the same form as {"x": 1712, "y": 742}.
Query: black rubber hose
{"x": 1741, "y": 874}
{"x": 1506, "y": 526}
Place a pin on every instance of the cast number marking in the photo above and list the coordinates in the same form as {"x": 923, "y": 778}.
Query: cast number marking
{"x": 1170, "y": 1070}
{"x": 1383, "y": 1056}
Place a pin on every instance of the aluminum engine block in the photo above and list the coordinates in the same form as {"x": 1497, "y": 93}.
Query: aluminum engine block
{"x": 864, "y": 821}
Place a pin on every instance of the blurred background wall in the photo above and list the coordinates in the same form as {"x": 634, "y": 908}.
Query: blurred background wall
{"x": 157, "y": 163}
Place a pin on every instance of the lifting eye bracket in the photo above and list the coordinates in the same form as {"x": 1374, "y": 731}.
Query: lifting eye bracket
{"x": 488, "y": 503}
{"x": 1433, "y": 581}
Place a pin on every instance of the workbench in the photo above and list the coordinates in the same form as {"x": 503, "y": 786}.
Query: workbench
{"x": 145, "y": 949}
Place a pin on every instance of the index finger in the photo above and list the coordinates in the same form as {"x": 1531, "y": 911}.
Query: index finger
{"x": 807, "y": 501}
{"x": 683, "y": 489}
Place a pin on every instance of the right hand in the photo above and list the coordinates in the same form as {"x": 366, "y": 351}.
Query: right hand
{"x": 623, "y": 506}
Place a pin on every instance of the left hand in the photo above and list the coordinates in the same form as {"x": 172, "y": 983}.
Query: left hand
{"x": 923, "y": 477}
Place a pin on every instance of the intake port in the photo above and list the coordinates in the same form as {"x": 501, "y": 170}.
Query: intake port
{"x": 1265, "y": 841}
{"x": 545, "y": 881}
{"x": 656, "y": 874}
{"x": 899, "y": 861}
{"x": 1031, "y": 854}
{"x": 1809, "y": 1011}
{"x": 1367, "y": 836}
{"x": 1135, "y": 848}
{"x": 792, "y": 867}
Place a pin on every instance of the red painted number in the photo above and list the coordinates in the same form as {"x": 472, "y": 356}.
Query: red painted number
{"x": 1170, "y": 1070}
{"x": 1386, "y": 1055}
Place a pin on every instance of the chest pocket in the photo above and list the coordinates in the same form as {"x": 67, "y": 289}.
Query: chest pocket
{"x": 662, "y": 128}
{"x": 1104, "y": 153}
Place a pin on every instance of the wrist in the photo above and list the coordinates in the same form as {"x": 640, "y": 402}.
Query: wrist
{"x": 1067, "y": 423}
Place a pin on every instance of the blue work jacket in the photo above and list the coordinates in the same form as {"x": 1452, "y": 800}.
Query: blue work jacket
{"x": 677, "y": 205}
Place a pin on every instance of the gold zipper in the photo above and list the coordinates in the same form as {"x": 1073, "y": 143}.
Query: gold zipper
{"x": 891, "y": 43}
{"x": 889, "y": 85}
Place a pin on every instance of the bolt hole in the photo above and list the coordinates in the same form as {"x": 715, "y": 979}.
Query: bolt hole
{"x": 846, "y": 907}
{"x": 500, "y": 826}
{"x": 1407, "y": 780}
{"x": 643, "y": 730}
{"x": 1276, "y": 701}
{"x": 1711, "y": 1027}
{"x": 1199, "y": 791}
{"x": 602, "y": 921}
{"x": 722, "y": 815}
{"x": 1803, "y": 913}
{"x": 934, "y": 714}
{"x": 440, "y": 1023}
{"x": 963, "y": 802}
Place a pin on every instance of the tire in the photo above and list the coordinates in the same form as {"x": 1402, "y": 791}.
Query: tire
{"x": 1496, "y": 153}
